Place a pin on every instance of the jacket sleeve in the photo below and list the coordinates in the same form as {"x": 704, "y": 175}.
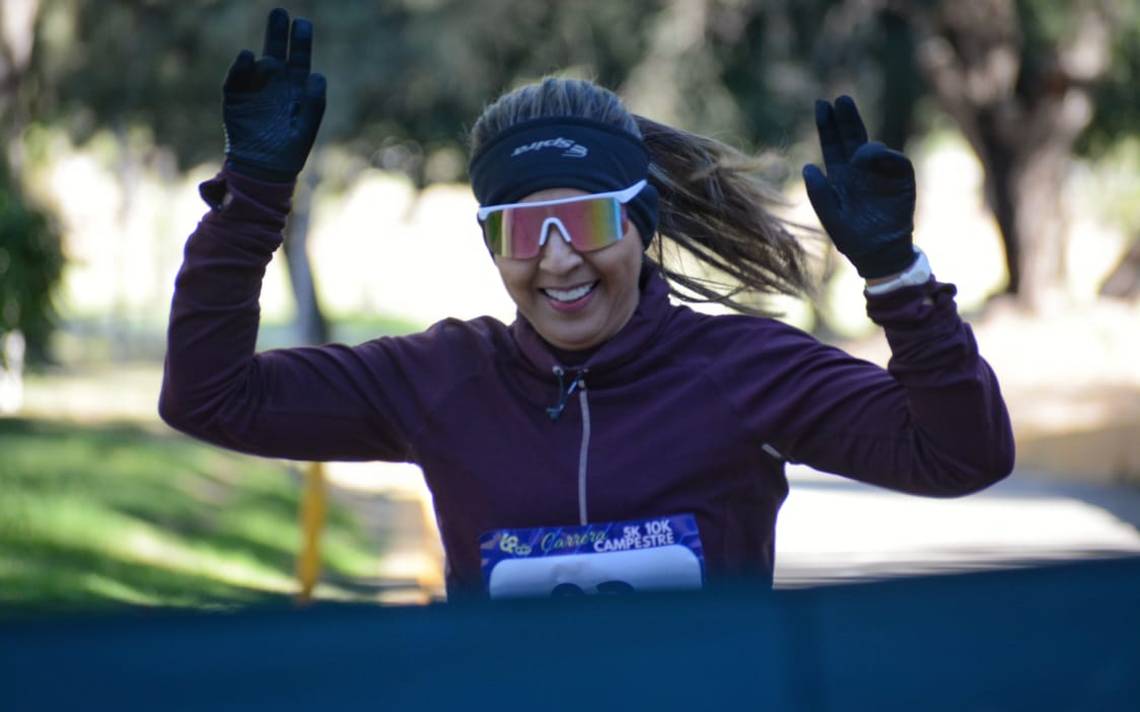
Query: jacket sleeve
{"x": 932, "y": 423}
{"x": 320, "y": 403}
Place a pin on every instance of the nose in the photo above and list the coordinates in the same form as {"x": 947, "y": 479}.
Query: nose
{"x": 558, "y": 256}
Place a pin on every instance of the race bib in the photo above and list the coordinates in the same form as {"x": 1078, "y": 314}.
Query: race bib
{"x": 661, "y": 553}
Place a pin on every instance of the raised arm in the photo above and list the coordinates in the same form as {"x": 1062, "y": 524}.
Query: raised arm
{"x": 934, "y": 422}
{"x": 307, "y": 403}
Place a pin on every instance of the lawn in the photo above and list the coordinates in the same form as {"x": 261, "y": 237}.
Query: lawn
{"x": 108, "y": 515}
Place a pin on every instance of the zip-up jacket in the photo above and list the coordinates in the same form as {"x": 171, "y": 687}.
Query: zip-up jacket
{"x": 680, "y": 412}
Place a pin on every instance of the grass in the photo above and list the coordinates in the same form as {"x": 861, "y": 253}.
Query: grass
{"x": 107, "y": 515}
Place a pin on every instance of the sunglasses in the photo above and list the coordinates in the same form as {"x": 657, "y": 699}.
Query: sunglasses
{"x": 586, "y": 222}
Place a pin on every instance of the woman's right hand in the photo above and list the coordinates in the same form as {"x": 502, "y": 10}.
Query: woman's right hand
{"x": 272, "y": 107}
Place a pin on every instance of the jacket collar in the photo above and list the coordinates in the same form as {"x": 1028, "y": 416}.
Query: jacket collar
{"x": 634, "y": 339}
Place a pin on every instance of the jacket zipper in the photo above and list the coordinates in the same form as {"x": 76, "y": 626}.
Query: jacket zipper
{"x": 583, "y": 453}
{"x": 564, "y": 392}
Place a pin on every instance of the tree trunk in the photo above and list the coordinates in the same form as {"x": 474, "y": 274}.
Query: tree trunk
{"x": 902, "y": 84}
{"x": 17, "y": 39}
{"x": 1022, "y": 115}
{"x": 1024, "y": 191}
{"x": 1041, "y": 221}
{"x": 12, "y": 347}
{"x": 1123, "y": 281}
{"x": 129, "y": 174}
{"x": 310, "y": 324}
{"x": 998, "y": 167}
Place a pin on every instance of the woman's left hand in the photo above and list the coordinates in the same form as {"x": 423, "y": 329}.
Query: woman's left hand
{"x": 865, "y": 202}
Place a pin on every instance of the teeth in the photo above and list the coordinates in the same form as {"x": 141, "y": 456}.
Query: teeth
{"x": 570, "y": 295}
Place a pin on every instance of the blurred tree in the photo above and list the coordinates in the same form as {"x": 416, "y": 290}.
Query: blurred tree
{"x": 125, "y": 65}
{"x": 31, "y": 263}
{"x": 31, "y": 259}
{"x": 17, "y": 38}
{"x": 1117, "y": 98}
{"x": 405, "y": 76}
{"x": 1020, "y": 79}
{"x": 1028, "y": 82}
{"x": 1124, "y": 279}
{"x": 749, "y": 73}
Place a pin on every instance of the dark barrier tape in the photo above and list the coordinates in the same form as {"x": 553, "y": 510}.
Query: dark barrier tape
{"x": 1057, "y": 637}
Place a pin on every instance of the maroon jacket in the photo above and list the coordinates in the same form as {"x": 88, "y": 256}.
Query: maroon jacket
{"x": 680, "y": 412}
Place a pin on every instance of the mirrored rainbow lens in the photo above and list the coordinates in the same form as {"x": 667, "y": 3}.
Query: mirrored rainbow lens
{"x": 517, "y": 232}
{"x": 493, "y": 233}
{"x": 593, "y": 224}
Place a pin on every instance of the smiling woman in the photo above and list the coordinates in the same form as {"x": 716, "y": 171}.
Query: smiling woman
{"x": 651, "y": 437}
{"x": 575, "y": 299}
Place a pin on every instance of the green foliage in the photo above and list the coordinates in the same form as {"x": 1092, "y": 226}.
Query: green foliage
{"x": 1117, "y": 95}
{"x": 101, "y": 516}
{"x": 406, "y": 76}
{"x": 769, "y": 59}
{"x": 401, "y": 73}
{"x": 31, "y": 264}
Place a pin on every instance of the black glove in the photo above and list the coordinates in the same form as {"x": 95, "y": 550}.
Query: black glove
{"x": 273, "y": 107}
{"x": 866, "y": 200}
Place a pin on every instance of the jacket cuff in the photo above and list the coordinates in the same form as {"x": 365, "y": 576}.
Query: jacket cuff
{"x": 236, "y": 197}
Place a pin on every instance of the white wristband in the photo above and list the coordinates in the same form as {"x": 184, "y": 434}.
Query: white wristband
{"x": 918, "y": 273}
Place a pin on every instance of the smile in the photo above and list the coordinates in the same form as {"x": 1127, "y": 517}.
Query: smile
{"x": 570, "y": 295}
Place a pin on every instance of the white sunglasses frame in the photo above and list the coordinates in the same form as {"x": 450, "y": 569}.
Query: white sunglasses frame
{"x": 622, "y": 196}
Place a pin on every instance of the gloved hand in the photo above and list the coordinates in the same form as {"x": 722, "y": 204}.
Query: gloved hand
{"x": 272, "y": 108}
{"x": 866, "y": 200}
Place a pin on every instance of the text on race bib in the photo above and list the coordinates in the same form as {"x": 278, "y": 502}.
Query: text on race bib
{"x": 659, "y": 553}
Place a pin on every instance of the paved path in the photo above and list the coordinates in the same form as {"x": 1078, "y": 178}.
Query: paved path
{"x": 833, "y": 529}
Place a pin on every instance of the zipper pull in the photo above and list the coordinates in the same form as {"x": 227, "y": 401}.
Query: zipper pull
{"x": 564, "y": 391}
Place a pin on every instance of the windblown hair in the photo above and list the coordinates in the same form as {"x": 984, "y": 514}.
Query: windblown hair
{"x": 713, "y": 203}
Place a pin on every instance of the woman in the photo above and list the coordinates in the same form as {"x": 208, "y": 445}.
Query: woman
{"x": 605, "y": 440}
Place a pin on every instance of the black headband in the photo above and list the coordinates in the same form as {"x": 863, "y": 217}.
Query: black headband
{"x": 565, "y": 152}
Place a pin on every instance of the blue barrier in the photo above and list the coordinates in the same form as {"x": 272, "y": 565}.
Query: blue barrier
{"x": 1055, "y": 637}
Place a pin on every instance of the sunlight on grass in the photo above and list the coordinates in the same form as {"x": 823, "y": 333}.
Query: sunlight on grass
{"x": 111, "y": 514}
{"x": 148, "y": 546}
{"x": 108, "y": 588}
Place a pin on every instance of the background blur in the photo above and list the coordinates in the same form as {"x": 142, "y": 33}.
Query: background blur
{"x": 1021, "y": 117}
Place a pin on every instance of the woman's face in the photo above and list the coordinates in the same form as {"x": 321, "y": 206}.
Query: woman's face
{"x": 575, "y": 300}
